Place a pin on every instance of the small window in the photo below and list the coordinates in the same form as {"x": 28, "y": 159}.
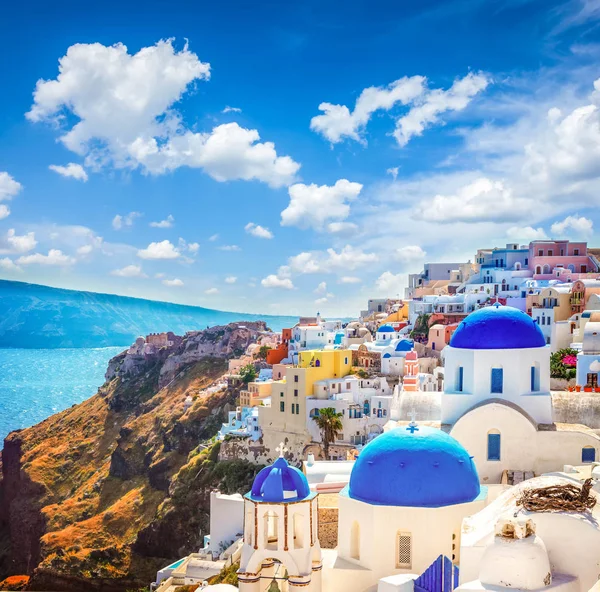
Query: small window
{"x": 345, "y": 360}
{"x": 293, "y": 411}
{"x": 588, "y": 454}
{"x": 540, "y": 252}
{"x": 576, "y": 252}
{"x": 535, "y": 378}
{"x": 497, "y": 380}
{"x": 295, "y": 392}
{"x": 550, "y": 253}
{"x": 493, "y": 443}
{"x": 297, "y": 409}
{"x": 459, "y": 379}
{"x": 404, "y": 551}
{"x": 295, "y": 378}
{"x": 281, "y": 406}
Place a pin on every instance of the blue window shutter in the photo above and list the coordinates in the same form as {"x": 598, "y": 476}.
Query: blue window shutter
{"x": 497, "y": 380}
{"x": 493, "y": 447}
{"x": 533, "y": 379}
{"x": 588, "y": 455}
{"x": 459, "y": 386}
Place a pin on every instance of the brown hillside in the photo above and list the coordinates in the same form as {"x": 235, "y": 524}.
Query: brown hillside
{"x": 100, "y": 496}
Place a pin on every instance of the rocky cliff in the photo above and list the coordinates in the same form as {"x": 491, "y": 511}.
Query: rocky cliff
{"x": 101, "y": 495}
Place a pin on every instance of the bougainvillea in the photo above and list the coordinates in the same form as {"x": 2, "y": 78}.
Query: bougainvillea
{"x": 563, "y": 363}
{"x": 570, "y": 361}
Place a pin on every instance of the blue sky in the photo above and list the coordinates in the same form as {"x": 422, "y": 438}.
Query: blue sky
{"x": 288, "y": 157}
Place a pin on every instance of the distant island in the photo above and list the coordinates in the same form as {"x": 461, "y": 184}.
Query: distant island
{"x": 36, "y": 316}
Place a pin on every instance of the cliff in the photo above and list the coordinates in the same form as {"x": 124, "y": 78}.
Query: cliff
{"x": 35, "y": 316}
{"x": 100, "y": 496}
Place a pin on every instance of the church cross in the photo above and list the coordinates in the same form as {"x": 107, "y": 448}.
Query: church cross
{"x": 281, "y": 449}
{"x": 412, "y": 426}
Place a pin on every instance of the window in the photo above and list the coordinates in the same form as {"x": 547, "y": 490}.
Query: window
{"x": 550, "y": 253}
{"x": 588, "y": 454}
{"x": 295, "y": 392}
{"x": 459, "y": 379}
{"x": 562, "y": 252}
{"x": 592, "y": 379}
{"x": 271, "y": 531}
{"x": 297, "y": 409}
{"x": 535, "y": 378}
{"x": 493, "y": 445}
{"x": 404, "y": 548}
{"x": 295, "y": 378}
{"x": 298, "y": 530}
{"x": 497, "y": 380}
{"x": 576, "y": 252}
{"x": 540, "y": 252}
{"x": 526, "y": 261}
{"x": 345, "y": 360}
{"x": 355, "y": 540}
{"x": 281, "y": 406}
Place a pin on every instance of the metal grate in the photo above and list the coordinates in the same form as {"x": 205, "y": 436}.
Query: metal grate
{"x": 404, "y": 550}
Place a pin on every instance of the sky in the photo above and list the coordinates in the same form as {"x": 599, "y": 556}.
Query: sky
{"x": 290, "y": 157}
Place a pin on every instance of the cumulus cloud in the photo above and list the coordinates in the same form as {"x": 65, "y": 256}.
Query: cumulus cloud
{"x": 166, "y": 223}
{"x": 8, "y": 186}
{"x": 130, "y": 271}
{"x": 193, "y": 248}
{"x": 526, "y": 233}
{"x": 339, "y": 227}
{"x": 391, "y": 284}
{"x": 174, "y": 283}
{"x": 480, "y": 200}
{"x": 73, "y": 170}
{"x": 124, "y": 105}
{"x": 231, "y": 279}
{"x": 13, "y": 243}
{"x": 126, "y": 220}
{"x": 410, "y": 254}
{"x": 258, "y": 231}
{"x": 160, "y": 250}
{"x": 349, "y": 279}
{"x": 337, "y": 121}
{"x": 393, "y": 171}
{"x": 426, "y": 112}
{"x": 311, "y": 206}
{"x": 4, "y": 211}
{"x": 321, "y": 288}
{"x": 213, "y": 238}
{"x": 274, "y": 281}
{"x": 348, "y": 258}
{"x": 8, "y": 265}
{"x": 54, "y": 257}
{"x": 573, "y": 226}
{"x": 211, "y": 291}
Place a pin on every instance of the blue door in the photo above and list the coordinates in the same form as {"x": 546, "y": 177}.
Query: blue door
{"x": 493, "y": 447}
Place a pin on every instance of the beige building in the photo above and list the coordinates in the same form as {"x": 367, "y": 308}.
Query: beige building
{"x": 256, "y": 393}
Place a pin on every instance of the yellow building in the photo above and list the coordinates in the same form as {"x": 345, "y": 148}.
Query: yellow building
{"x": 399, "y": 316}
{"x": 287, "y": 412}
{"x": 256, "y": 393}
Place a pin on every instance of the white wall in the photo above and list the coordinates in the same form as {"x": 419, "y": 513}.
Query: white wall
{"x": 226, "y": 519}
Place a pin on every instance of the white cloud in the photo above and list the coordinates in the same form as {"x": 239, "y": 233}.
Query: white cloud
{"x": 337, "y": 122}
{"x": 321, "y": 288}
{"x": 85, "y": 250}
{"x": 160, "y": 250}
{"x": 211, "y": 291}
{"x": 322, "y": 300}
{"x": 73, "y": 170}
{"x": 311, "y": 206}
{"x": 426, "y": 112}
{"x": 231, "y": 279}
{"x": 393, "y": 171}
{"x": 410, "y": 255}
{"x": 349, "y": 279}
{"x": 577, "y": 227}
{"x": 391, "y": 284}
{"x": 7, "y": 264}
{"x": 525, "y": 233}
{"x": 193, "y": 248}
{"x": 229, "y": 109}
{"x": 213, "y": 238}
{"x": 8, "y": 186}
{"x": 4, "y": 211}
{"x": 54, "y": 257}
{"x": 174, "y": 283}
{"x": 229, "y": 248}
{"x": 347, "y": 259}
{"x": 166, "y": 223}
{"x": 274, "y": 281}
{"x": 130, "y": 271}
{"x": 258, "y": 231}
{"x": 126, "y": 117}
{"x": 16, "y": 244}
{"x": 126, "y": 220}
{"x": 339, "y": 227}
{"x": 482, "y": 199}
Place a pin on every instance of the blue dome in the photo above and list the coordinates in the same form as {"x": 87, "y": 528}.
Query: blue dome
{"x": 427, "y": 468}
{"x": 279, "y": 482}
{"x": 385, "y": 329}
{"x": 404, "y": 345}
{"x": 498, "y": 327}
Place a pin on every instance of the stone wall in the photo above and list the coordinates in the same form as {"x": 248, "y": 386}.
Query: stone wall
{"x": 328, "y": 527}
{"x": 582, "y": 408}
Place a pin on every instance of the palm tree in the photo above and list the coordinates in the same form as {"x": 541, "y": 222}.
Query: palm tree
{"x": 330, "y": 424}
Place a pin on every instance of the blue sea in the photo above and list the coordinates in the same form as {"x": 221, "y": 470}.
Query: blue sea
{"x": 35, "y": 383}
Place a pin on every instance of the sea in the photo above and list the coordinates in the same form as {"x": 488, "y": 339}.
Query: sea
{"x": 36, "y": 383}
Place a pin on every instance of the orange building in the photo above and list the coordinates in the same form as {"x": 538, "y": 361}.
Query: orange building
{"x": 275, "y": 355}
{"x": 410, "y": 382}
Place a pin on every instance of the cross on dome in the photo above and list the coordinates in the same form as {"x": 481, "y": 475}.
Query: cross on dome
{"x": 281, "y": 449}
{"x": 412, "y": 426}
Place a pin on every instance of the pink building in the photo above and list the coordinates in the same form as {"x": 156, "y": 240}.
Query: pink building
{"x": 549, "y": 257}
